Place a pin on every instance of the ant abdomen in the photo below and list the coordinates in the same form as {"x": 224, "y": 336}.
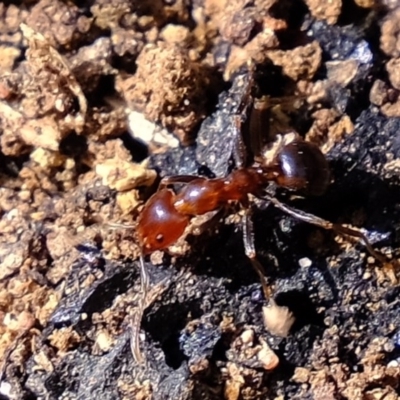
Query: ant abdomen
{"x": 160, "y": 225}
{"x": 303, "y": 167}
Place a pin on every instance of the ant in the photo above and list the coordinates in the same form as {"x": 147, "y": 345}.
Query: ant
{"x": 297, "y": 165}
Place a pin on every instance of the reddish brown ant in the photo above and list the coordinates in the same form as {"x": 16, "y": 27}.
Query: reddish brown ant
{"x": 297, "y": 165}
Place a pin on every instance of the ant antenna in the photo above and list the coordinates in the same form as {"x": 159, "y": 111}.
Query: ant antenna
{"x": 137, "y": 317}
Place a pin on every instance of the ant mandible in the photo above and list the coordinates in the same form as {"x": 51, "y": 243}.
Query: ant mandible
{"x": 297, "y": 165}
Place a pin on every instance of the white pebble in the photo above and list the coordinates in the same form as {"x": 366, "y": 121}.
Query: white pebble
{"x": 305, "y": 262}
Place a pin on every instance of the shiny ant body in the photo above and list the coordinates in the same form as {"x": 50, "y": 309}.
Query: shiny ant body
{"x": 297, "y": 165}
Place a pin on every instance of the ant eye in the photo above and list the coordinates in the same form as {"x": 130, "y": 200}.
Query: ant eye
{"x": 160, "y": 237}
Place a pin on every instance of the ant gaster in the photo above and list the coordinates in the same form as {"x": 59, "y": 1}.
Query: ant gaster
{"x": 297, "y": 165}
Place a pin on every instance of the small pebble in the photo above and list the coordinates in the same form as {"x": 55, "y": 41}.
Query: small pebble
{"x": 305, "y": 262}
{"x": 5, "y": 389}
{"x": 267, "y": 356}
{"x": 277, "y": 320}
{"x": 393, "y": 364}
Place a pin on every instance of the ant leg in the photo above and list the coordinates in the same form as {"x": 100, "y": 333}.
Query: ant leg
{"x": 313, "y": 219}
{"x": 248, "y": 241}
{"x": 117, "y": 225}
{"x": 259, "y": 129}
{"x": 239, "y": 148}
{"x": 170, "y": 180}
{"x": 239, "y": 152}
{"x": 137, "y": 318}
